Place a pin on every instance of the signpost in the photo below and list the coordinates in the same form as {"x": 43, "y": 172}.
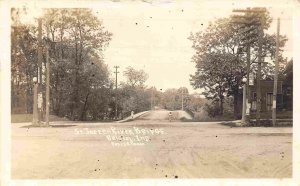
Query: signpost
{"x": 35, "y": 120}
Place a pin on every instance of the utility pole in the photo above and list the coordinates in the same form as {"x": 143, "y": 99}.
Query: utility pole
{"x": 275, "y": 75}
{"x": 249, "y": 23}
{"x": 47, "y": 80}
{"x": 116, "y": 72}
{"x": 258, "y": 78}
{"x": 40, "y": 69}
{"x": 47, "y": 87}
{"x": 246, "y": 22}
{"x": 35, "y": 120}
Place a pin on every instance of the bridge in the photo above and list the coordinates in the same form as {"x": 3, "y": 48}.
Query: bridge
{"x": 160, "y": 115}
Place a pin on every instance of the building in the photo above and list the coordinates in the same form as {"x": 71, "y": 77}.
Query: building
{"x": 284, "y": 96}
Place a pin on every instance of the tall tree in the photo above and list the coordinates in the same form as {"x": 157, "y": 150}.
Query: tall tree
{"x": 23, "y": 63}
{"x": 80, "y": 39}
{"x": 76, "y": 38}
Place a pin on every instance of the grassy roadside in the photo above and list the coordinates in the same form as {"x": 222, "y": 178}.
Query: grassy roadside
{"x": 284, "y": 119}
{"x": 24, "y": 118}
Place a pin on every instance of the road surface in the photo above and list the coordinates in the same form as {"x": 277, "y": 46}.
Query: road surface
{"x": 150, "y": 147}
{"x": 163, "y": 115}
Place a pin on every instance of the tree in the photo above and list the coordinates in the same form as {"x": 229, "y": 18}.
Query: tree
{"x": 220, "y": 59}
{"x": 79, "y": 78}
{"x": 169, "y": 97}
{"x": 172, "y": 98}
{"x": 23, "y": 63}
{"x": 287, "y": 72}
{"x": 80, "y": 39}
{"x": 133, "y": 94}
{"x": 196, "y": 103}
{"x": 135, "y": 77}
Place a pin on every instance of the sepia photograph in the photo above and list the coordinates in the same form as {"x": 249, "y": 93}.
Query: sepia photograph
{"x": 164, "y": 90}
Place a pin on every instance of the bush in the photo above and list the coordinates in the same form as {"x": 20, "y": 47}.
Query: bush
{"x": 212, "y": 109}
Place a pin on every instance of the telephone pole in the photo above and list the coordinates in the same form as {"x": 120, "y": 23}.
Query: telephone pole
{"x": 275, "y": 75}
{"x": 47, "y": 80}
{"x": 258, "y": 78}
{"x": 39, "y": 77}
{"x": 249, "y": 22}
{"x": 35, "y": 119}
{"x": 116, "y": 72}
{"x": 47, "y": 87}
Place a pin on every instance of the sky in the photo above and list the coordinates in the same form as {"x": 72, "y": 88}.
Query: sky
{"x": 154, "y": 36}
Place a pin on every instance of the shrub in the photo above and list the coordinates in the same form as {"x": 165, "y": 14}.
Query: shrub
{"x": 212, "y": 109}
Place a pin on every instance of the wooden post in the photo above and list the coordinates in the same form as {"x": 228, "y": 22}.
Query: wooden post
{"x": 47, "y": 87}
{"x": 40, "y": 69}
{"x": 258, "y": 78}
{"x": 275, "y": 76}
{"x": 35, "y": 120}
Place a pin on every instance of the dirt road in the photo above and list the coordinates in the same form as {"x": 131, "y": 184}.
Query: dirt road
{"x": 150, "y": 149}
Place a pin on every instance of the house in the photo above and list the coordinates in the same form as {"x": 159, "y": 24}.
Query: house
{"x": 284, "y": 100}
{"x": 284, "y": 92}
{"x": 266, "y": 95}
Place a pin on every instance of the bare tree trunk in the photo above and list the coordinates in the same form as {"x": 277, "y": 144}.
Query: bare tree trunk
{"x": 221, "y": 106}
{"x": 57, "y": 92}
{"x": 221, "y": 100}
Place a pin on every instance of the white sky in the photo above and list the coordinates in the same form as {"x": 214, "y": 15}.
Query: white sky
{"x": 158, "y": 42}
{"x": 153, "y": 36}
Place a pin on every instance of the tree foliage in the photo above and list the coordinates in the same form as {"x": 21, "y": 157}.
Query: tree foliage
{"x": 134, "y": 94}
{"x": 79, "y": 78}
{"x": 135, "y": 77}
{"x": 220, "y": 57}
